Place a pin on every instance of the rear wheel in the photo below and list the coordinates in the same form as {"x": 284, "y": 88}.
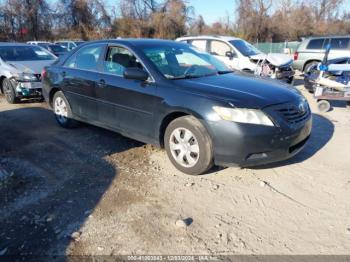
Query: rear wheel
{"x": 9, "y": 91}
{"x": 189, "y": 146}
{"x": 310, "y": 66}
{"x": 62, "y": 110}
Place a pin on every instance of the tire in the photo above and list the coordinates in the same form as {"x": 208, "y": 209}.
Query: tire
{"x": 189, "y": 146}
{"x": 290, "y": 80}
{"x": 9, "y": 92}
{"x": 323, "y": 106}
{"x": 309, "y": 65}
{"x": 62, "y": 111}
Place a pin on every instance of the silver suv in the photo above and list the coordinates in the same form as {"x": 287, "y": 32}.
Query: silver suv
{"x": 311, "y": 51}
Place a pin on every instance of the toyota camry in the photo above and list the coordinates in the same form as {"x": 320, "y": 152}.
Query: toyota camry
{"x": 172, "y": 95}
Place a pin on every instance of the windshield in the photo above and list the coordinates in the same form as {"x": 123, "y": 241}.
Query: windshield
{"x": 57, "y": 48}
{"x": 25, "y": 53}
{"x": 245, "y": 48}
{"x": 178, "y": 62}
{"x": 79, "y": 42}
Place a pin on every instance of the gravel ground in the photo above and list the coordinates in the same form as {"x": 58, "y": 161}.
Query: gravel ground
{"x": 90, "y": 191}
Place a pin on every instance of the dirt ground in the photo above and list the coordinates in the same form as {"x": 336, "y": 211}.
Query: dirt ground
{"x": 91, "y": 191}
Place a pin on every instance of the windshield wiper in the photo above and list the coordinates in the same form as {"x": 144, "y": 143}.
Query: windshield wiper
{"x": 225, "y": 72}
{"x": 191, "y": 76}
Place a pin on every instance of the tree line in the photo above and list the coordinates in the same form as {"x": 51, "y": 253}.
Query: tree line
{"x": 253, "y": 20}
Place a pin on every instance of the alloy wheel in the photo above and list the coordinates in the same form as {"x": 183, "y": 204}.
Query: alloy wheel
{"x": 61, "y": 110}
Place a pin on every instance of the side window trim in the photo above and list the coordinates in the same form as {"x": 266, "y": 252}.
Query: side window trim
{"x": 104, "y": 59}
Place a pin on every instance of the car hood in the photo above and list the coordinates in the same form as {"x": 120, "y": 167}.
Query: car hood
{"x": 241, "y": 90}
{"x": 274, "y": 59}
{"x": 32, "y": 67}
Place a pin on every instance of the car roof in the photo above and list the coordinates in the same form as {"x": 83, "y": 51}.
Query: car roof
{"x": 13, "y": 44}
{"x": 327, "y": 36}
{"x": 136, "y": 42}
{"x": 212, "y": 37}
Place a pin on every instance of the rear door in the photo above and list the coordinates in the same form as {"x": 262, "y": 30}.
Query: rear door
{"x": 80, "y": 74}
{"x": 124, "y": 104}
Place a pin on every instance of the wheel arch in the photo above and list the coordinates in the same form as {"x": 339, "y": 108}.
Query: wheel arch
{"x": 310, "y": 61}
{"x": 52, "y": 93}
{"x": 171, "y": 116}
{"x": 1, "y": 80}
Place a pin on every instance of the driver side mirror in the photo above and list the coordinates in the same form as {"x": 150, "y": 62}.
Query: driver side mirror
{"x": 230, "y": 54}
{"x": 135, "y": 74}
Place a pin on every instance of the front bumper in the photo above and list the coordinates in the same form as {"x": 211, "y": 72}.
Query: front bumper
{"x": 28, "y": 89}
{"x": 251, "y": 145}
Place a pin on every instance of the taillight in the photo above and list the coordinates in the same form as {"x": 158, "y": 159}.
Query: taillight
{"x": 43, "y": 73}
{"x": 296, "y": 54}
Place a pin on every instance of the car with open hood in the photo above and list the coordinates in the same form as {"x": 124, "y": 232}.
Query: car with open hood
{"x": 240, "y": 55}
{"x": 20, "y": 70}
{"x": 170, "y": 94}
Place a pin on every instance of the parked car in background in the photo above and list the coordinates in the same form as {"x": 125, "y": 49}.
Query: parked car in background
{"x": 79, "y": 42}
{"x": 169, "y": 94}
{"x": 240, "y": 55}
{"x": 312, "y": 50}
{"x": 69, "y": 45}
{"x": 37, "y": 42}
{"x": 57, "y": 50}
{"x": 20, "y": 70}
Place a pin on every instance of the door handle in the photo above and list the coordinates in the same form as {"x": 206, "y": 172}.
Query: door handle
{"x": 101, "y": 83}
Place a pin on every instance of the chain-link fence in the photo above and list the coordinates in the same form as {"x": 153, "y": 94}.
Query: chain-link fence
{"x": 284, "y": 47}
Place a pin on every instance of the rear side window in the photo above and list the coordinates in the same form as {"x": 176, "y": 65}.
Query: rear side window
{"x": 316, "y": 43}
{"x": 86, "y": 58}
{"x": 340, "y": 43}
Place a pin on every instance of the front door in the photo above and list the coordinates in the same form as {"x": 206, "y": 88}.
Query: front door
{"x": 124, "y": 104}
{"x": 219, "y": 49}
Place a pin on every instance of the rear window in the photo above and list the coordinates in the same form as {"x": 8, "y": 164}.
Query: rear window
{"x": 340, "y": 43}
{"x": 316, "y": 43}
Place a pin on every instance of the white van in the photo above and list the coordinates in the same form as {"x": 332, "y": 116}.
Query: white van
{"x": 240, "y": 55}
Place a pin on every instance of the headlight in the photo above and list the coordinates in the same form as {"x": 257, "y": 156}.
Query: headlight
{"x": 243, "y": 115}
{"x": 26, "y": 77}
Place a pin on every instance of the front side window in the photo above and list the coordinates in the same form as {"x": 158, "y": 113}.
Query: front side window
{"x": 219, "y": 48}
{"x": 245, "y": 48}
{"x": 316, "y": 44}
{"x": 179, "y": 62}
{"x": 340, "y": 43}
{"x": 118, "y": 59}
{"x": 86, "y": 58}
{"x": 25, "y": 53}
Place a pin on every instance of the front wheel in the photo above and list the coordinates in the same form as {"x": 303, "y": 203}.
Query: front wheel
{"x": 323, "y": 106}
{"x": 62, "y": 110}
{"x": 9, "y": 91}
{"x": 189, "y": 146}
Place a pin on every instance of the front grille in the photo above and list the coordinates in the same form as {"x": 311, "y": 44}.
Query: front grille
{"x": 293, "y": 114}
{"x": 38, "y": 76}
